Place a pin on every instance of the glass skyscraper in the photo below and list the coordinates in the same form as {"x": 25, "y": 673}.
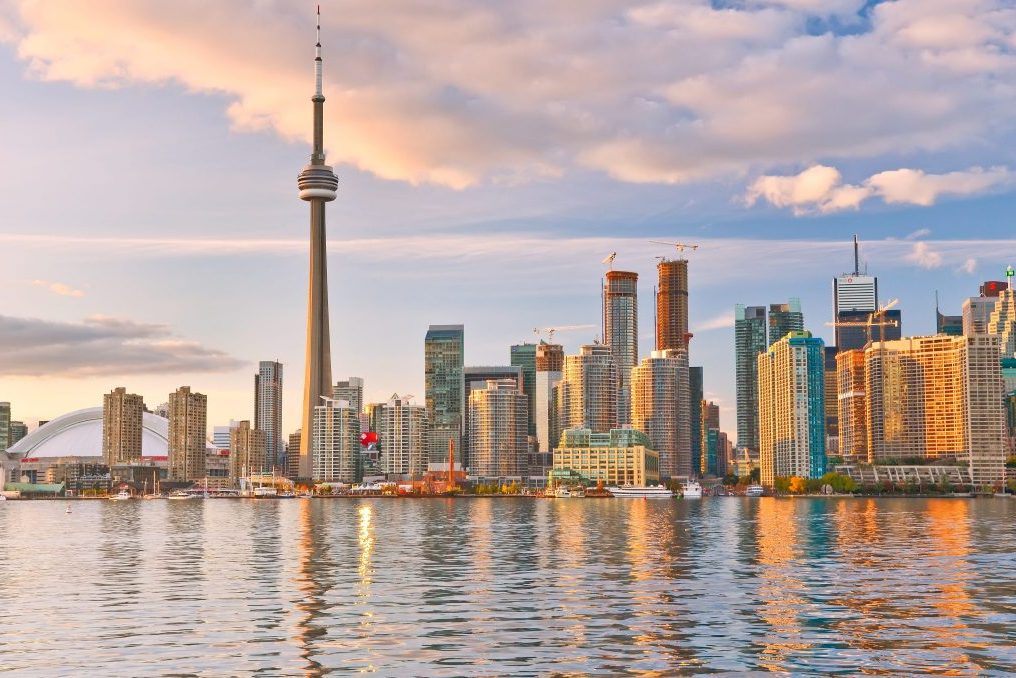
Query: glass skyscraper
{"x": 524, "y": 356}
{"x": 444, "y": 381}
{"x": 749, "y": 342}
{"x": 621, "y": 332}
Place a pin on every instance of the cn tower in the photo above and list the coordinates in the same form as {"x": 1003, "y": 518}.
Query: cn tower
{"x": 318, "y": 184}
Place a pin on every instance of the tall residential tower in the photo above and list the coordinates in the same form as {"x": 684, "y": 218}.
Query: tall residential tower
{"x": 621, "y": 332}
{"x": 268, "y": 411}
{"x": 318, "y": 185}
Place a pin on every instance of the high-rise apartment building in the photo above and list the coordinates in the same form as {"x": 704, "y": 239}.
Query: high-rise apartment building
{"x": 832, "y": 416}
{"x": 248, "y": 451}
{"x": 660, "y": 408}
{"x": 587, "y": 394}
{"x": 268, "y": 410}
{"x": 785, "y": 318}
{"x": 293, "y": 455}
{"x": 19, "y": 430}
{"x": 696, "y": 388}
{"x": 852, "y": 406}
{"x": 444, "y": 381}
{"x": 1002, "y": 322}
{"x": 498, "y": 436}
{"x": 5, "y": 426}
{"x": 672, "y": 305}
{"x": 935, "y": 397}
{"x": 188, "y": 415}
{"x": 476, "y": 378}
{"x": 403, "y": 438}
{"x": 749, "y": 343}
{"x": 710, "y": 438}
{"x": 121, "y": 427}
{"x": 336, "y": 443}
{"x": 549, "y": 371}
{"x": 621, "y": 332}
{"x": 524, "y": 356}
{"x": 350, "y": 390}
{"x": 792, "y": 437}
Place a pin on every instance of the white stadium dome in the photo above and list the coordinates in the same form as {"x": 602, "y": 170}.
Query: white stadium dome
{"x": 79, "y": 434}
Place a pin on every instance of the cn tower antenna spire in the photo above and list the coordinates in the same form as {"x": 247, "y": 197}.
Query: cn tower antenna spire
{"x": 317, "y": 57}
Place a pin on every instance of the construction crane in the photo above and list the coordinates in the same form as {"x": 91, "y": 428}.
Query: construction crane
{"x": 609, "y": 260}
{"x": 875, "y": 319}
{"x": 679, "y": 246}
{"x": 549, "y": 330}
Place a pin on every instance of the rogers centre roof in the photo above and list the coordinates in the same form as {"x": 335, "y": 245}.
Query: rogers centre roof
{"x": 79, "y": 434}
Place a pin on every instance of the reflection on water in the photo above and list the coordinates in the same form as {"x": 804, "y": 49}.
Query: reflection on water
{"x": 509, "y": 586}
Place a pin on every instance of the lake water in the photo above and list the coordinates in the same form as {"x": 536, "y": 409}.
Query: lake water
{"x": 508, "y": 586}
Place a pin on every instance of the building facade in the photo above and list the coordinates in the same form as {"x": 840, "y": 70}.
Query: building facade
{"x": 523, "y": 356}
{"x": 5, "y": 426}
{"x": 672, "y": 305}
{"x": 1002, "y": 322}
{"x": 188, "y": 414}
{"x": 587, "y": 394}
{"x": 268, "y": 410}
{"x": 792, "y": 408}
{"x": 444, "y": 381}
{"x": 121, "y": 427}
{"x": 696, "y": 390}
{"x": 785, "y": 318}
{"x": 336, "y": 443}
{"x": 248, "y": 450}
{"x": 618, "y": 457}
{"x": 749, "y": 342}
{"x": 402, "y": 431}
{"x": 498, "y": 433}
{"x": 710, "y": 424}
{"x": 851, "y": 405}
{"x": 621, "y": 332}
{"x": 549, "y": 371}
{"x": 660, "y": 408}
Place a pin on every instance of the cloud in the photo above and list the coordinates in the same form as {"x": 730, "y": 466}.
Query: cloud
{"x": 719, "y": 322}
{"x": 969, "y": 266}
{"x": 922, "y": 255}
{"x": 101, "y": 345}
{"x": 59, "y": 288}
{"x": 820, "y": 189}
{"x": 459, "y": 92}
{"x": 918, "y": 234}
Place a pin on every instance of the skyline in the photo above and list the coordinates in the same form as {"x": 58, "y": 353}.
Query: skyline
{"x": 423, "y": 253}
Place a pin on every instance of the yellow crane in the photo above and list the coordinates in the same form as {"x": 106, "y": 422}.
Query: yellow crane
{"x": 875, "y": 319}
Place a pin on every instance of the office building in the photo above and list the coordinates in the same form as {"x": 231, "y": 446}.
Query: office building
{"x": 855, "y": 296}
{"x": 498, "y": 435}
{"x": 188, "y": 413}
{"x": 5, "y": 426}
{"x": 617, "y": 457}
{"x": 749, "y": 341}
{"x": 660, "y": 409}
{"x": 785, "y": 318}
{"x": 856, "y": 336}
{"x": 977, "y": 315}
{"x": 992, "y": 288}
{"x": 524, "y": 357}
{"x": 350, "y": 390}
{"x": 443, "y": 357}
{"x": 403, "y": 438}
{"x": 318, "y": 185}
{"x": 587, "y": 394}
{"x": 710, "y": 438}
{"x": 121, "y": 427}
{"x": 336, "y": 443}
{"x": 549, "y": 371}
{"x": 248, "y": 450}
{"x": 19, "y": 430}
{"x": 1002, "y": 322}
{"x": 696, "y": 393}
{"x": 832, "y": 417}
{"x": 621, "y": 332}
{"x": 268, "y": 410}
{"x": 672, "y": 305}
{"x": 851, "y": 406}
{"x": 792, "y": 435}
{"x": 937, "y": 397}
{"x": 220, "y": 435}
{"x": 951, "y": 325}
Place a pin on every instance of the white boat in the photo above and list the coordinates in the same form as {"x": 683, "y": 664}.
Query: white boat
{"x": 265, "y": 491}
{"x": 754, "y": 491}
{"x": 631, "y": 492}
{"x": 562, "y": 493}
{"x": 180, "y": 494}
{"x": 691, "y": 490}
{"x": 121, "y": 496}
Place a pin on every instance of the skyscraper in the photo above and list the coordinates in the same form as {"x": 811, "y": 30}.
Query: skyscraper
{"x": 621, "y": 332}
{"x": 336, "y": 443}
{"x": 855, "y": 295}
{"x": 403, "y": 437}
{"x": 976, "y": 314}
{"x": 475, "y": 378}
{"x": 852, "y": 403}
{"x": 710, "y": 438}
{"x": 188, "y": 413}
{"x": 248, "y": 452}
{"x": 18, "y": 431}
{"x": 587, "y": 394}
{"x": 660, "y": 408}
{"x": 791, "y": 375}
{"x": 785, "y": 318}
{"x": 938, "y": 396}
{"x": 672, "y": 305}
{"x": 549, "y": 369}
{"x": 1002, "y": 322}
{"x": 498, "y": 416}
{"x": 268, "y": 410}
{"x": 350, "y": 390}
{"x": 121, "y": 427}
{"x": 832, "y": 416}
{"x": 444, "y": 381}
{"x": 696, "y": 391}
{"x": 749, "y": 343}
{"x": 524, "y": 356}
{"x": 318, "y": 185}
{"x": 5, "y": 426}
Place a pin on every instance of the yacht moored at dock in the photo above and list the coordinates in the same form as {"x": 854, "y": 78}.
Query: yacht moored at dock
{"x": 652, "y": 492}
{"x": 691, "y": 490}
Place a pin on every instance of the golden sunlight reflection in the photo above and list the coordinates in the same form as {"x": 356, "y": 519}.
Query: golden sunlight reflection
{"x": 949, "y": 529}
{"x": 779, "y": 589}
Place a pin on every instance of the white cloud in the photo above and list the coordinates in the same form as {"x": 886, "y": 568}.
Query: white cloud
{"x": 918, "y": 234}
{"x": 922, "y": 255}
{"x": 820, "y": 189}
{"x": 969, "y": 266}
{"x": 59, "y": 288}
{"x": 719, "y": 322}
{"x": 460, "y": 92}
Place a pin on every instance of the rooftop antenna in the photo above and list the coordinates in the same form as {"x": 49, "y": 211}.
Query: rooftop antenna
{"x": 857, "y": 259}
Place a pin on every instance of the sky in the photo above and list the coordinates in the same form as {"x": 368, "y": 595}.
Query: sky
{"x": 490, "y": 155}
